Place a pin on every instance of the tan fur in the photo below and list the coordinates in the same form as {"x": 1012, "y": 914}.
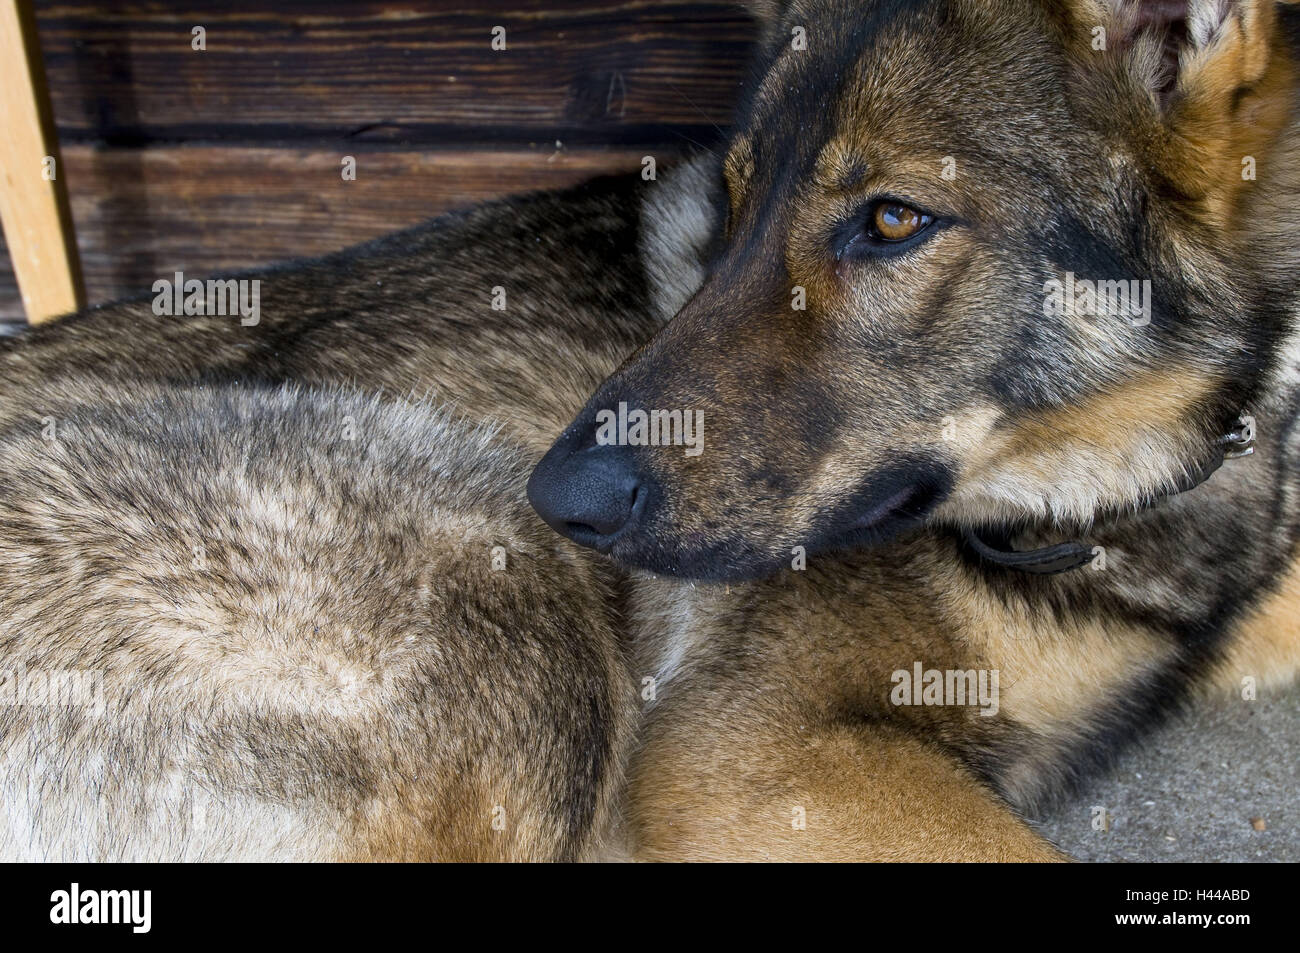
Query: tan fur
{"x": 1266, "y": 644}
{"x": 1229, "y": 100}
{"x": 763, "y": 792}
{"x": 800, "y": 719}
{"x": 1130, "y": 443}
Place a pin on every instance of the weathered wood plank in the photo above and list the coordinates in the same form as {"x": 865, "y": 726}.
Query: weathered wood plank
{"x": 583, "y": 71}
{"x": 33, "y": 204}
{"x": 141, "y": 214}
{"x": 405, "y": 86}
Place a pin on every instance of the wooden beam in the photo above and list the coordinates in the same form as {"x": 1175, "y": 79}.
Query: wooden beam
{"x": 622, "y": 73}
{"x": 33, "y": 203}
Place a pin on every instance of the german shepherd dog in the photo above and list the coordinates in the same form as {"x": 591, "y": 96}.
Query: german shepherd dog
{"x": 888, "y": 364}
{"x": 923, "y": 446}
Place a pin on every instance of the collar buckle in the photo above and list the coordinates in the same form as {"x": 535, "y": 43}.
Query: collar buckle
{"x": 1240, "y": 440}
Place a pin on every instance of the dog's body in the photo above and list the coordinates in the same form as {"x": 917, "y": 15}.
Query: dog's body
{"x": 773, "y": 727}
{"x": 286, "y": 625}
{"x": 410, "y": 315}
{"x": 302, "y": 623}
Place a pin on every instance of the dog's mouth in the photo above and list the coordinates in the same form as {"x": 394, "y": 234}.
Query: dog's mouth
{"x": 888, "y": 504}
{"x": 899, "y": 508}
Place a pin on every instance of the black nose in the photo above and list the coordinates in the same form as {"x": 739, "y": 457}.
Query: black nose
{"x": 590, "y": 495}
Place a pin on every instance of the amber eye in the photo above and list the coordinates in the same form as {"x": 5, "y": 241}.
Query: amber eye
{"x": 894, "y": 222}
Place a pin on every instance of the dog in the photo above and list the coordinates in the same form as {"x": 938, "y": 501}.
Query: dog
{"x": 274, "y": 591}
{"x": 900, "y": 437}
{"x": 928, "y": 450}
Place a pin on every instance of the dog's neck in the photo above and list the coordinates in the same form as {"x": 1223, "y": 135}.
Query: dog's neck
{"x": 993, "y": 546}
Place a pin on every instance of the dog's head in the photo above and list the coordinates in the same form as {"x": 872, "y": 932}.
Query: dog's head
{"x": 978, "y": 262}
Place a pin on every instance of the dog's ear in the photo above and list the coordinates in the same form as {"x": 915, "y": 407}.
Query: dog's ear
{"x": 1213, "y": 84}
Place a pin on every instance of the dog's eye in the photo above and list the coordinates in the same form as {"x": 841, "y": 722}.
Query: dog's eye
{"x": 885, "y": 227}
{"x": 894, "y": 222}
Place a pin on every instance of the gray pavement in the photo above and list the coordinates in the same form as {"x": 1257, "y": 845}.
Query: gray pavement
{"x": 1197, "y": 790}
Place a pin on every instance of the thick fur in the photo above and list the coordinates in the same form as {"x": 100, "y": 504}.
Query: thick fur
{"x": 938, "y": 369}
{"x": 409, "y": 314}
{"x": 288, "y": 595}
{"x": 305, "y": 647}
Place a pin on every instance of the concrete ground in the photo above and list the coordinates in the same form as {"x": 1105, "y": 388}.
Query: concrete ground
{"x": 1193, "y": 789}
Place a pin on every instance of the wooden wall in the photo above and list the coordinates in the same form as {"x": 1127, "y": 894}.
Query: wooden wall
{"x": 177, "y": 159}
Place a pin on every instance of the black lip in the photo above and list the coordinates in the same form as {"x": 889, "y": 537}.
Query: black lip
{"x": 916, "y": 501}
{"x": 919, "y": 490}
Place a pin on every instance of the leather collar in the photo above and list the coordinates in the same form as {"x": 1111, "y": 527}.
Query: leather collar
{"x": 994, "y": 546}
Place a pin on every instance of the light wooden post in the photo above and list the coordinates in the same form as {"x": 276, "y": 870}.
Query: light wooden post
{"x": 33, "y": 202}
